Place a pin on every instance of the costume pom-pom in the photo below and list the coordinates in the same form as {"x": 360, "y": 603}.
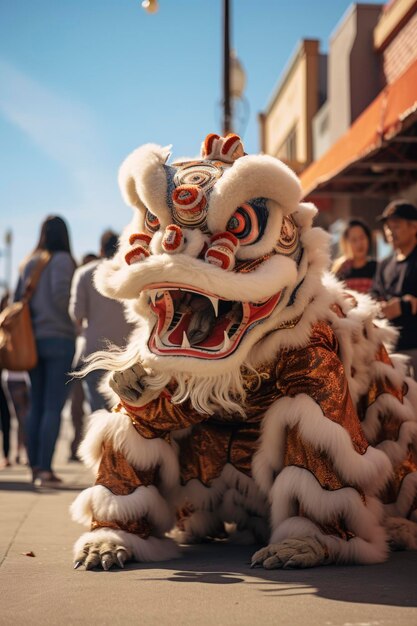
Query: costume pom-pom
{"x": 173, "y": 239}
{"x": 221, "y": 255}
{"x": 142, "y": 239}
{"x": 226, "y": 239}
{"x": 139, "y": 253}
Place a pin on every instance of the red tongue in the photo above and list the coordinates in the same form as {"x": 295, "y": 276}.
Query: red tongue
{"x": 175, "y": 337}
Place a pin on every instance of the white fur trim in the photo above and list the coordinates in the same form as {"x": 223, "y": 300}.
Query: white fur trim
{"x": 385, "y": 404}
{"x": 312, "y": 302}
{"x": 405, "y": 498}
{"x": 370, "y": 471}
{"x": 127, "y": 281}
{"x": 356, "y": 550}
{"x": 199, "y": 496}
{"x": 305, "y": 214}
{"x": 142, "y": 550}
{"x": 140, "y": 452}
{"x": 294, "y": 483}
{"x": 198, "y": 526}
{"x": 402, "y": 533}
{"x": 397, "y": 450}
{"x": 142, "y": 178}
{"x": 208, "y": 498}
{"x": 250, "y": 496}
{"x": 233, "y": 496}
{"x": 235, "y": 509}
{"x": 251, "y": 177}
{"x": 101, "y": 504}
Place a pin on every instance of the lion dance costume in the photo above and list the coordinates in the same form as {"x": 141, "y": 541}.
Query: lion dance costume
{"x": 256, "y": 396}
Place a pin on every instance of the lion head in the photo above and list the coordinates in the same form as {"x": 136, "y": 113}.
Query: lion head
{"x": 215, "y": 258}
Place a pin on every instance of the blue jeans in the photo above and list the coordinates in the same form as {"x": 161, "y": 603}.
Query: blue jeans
{"x": 48, "y": 394}
{"x": 95, "y": 398}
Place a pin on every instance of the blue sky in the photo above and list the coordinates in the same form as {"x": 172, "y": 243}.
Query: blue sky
{"x": 84, "y": 82}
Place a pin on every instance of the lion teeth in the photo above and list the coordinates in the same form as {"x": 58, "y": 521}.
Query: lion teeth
{"x": 185, "y": 343}
{"x": 215, "y": 303}
{"x": 152, "y": 295}
{"x": 158, "y": 342}
{"x": 226, "y": 342}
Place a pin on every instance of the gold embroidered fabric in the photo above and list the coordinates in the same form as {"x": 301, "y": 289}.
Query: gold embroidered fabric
{"x": 390, "y": 425}
{"x": 382, "y": 355}
{"x": 317, "y": 371}
{"x": 204, "y": 453}
{"x": 207, "y": 449}
{"x": 140, "y": 527}
{"x": 183, "y": 513}
{"x": 402, "y": 470}
{"x": 302, "y": 454}
{"x": 336, "y": 527}
{"x": 119, "y": 476}
{"x": 262, "y": 391}
{"x": 214, "y": 441}
{"x": 159, "y": 417}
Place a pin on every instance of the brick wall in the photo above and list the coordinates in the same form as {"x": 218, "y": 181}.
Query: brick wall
{"x": 402, "y": 50}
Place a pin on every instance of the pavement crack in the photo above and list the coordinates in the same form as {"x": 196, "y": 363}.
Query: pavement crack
{"x": 19, "y": 526}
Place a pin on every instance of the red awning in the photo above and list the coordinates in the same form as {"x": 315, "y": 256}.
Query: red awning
{"x": 379, "y": 149}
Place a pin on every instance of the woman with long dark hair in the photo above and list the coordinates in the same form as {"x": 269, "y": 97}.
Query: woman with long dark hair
{"x": 354, "y": 266}
{"x": 55, "y": 341}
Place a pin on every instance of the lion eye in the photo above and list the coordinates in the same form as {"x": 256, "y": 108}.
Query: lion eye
{"x": 151, "y": 222}
{"x": 249, "y": 221}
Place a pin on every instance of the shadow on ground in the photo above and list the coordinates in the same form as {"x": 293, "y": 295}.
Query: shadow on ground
{"x": 391, "y": 583}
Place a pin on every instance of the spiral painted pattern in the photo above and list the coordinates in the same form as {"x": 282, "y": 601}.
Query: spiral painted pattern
{"x": 248, "y": 222}
{"x": 289, "y": 240}
{"x": 151, "y": 222}
{"x": 203, "y": 174}
{"x": 189, "y": 205}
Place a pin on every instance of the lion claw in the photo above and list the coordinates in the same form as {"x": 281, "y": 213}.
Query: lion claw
{"x": 104, "y": 554}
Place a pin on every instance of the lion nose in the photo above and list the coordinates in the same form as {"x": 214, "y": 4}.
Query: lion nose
{"x": 173, "y": 239}
{"x": 190, "y": 205}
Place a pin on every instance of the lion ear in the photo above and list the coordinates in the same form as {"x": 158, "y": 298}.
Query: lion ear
{"x": 142, "y": 178}
{"x": 128, "y": 190}
{"x": 305, "y": 214}
{"x": 127, "y": 183}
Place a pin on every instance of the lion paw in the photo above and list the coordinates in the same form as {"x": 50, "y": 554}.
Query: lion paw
{"x": 129, "y": 384}
{"x": 402, "y": 533}
{"x": 104, "y": 554}
{"x": 291, "y": 553}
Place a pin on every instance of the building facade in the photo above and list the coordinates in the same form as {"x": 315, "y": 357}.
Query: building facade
{"x": 286, "y": 124}
{"x": 363, "y": 134}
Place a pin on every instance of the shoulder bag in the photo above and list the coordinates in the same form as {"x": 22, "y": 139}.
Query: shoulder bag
{"x": 17, "y": 341}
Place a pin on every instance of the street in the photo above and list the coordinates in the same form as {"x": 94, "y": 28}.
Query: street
{"x": 211, "y": 584}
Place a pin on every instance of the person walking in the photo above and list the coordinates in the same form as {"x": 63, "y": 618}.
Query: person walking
{"x": 355, "y": 267}
{"x": 4, "y": 405}
{"x": 18, "y": 391}
{"x": 395, "y": 284}
{"x": 102, "y": 319}
{"x": 55, "y": 342}
{"x": 76, "y": 394}
{"x": 5, "y": 425}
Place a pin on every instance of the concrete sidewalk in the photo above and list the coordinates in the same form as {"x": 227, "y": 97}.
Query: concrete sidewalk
{"x": 212, "y": 584}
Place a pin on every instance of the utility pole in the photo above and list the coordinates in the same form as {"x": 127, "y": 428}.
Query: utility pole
{"x": 8, "y": 240}
{"x": 227, "y": 108}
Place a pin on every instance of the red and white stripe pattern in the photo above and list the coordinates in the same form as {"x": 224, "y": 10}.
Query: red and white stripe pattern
{"x": 222, "y": 250}
{"x": 226, "y": 149}
{"x": 140, "y": 251}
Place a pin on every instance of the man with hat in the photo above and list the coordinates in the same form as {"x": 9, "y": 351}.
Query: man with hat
{"x": 395, "y": 283}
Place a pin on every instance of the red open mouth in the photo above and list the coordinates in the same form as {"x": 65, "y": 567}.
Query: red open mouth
{"x": 194, "y": 323}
